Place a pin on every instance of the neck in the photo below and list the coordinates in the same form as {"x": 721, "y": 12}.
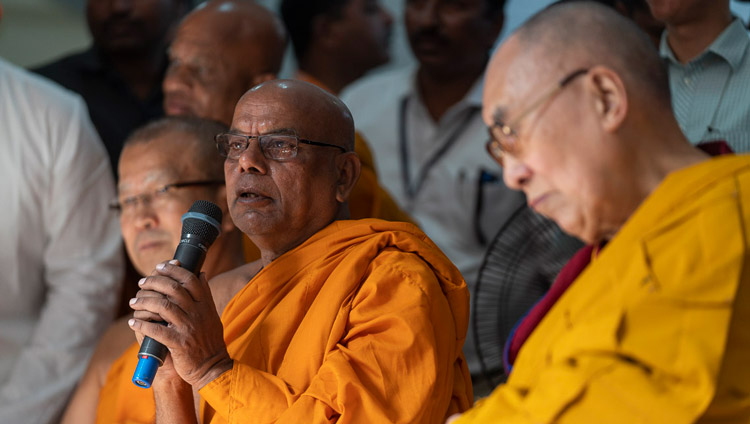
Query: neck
{"x": 141, "y": 71}
{"x": 657, "y": 154}
{"x": 690, "y": 38}
{"x": 270, "y": 251}
{"x": 226, "y": 254}
{"x": 330, "y": 73}
{"x": 439, "y": 91}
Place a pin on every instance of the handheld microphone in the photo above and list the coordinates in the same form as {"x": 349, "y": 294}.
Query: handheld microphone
{"x": 201, "y": 226}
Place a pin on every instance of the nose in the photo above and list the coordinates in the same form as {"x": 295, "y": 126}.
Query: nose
{"x": 424, "y": 15}
{"x": 122, "y": 6}
{"x": 252, "y": 160}
{"x": 515, "y": 173}
{"x": 143, "y": 216}
{"x": 176, "y": 78}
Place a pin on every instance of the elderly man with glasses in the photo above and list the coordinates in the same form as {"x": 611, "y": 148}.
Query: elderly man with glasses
{"x": 357, "y": 321}
{"x": 655, "y": 328}
{"x": 164, "y": 167}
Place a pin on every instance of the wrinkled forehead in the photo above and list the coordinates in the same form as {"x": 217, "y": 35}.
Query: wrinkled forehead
{"x": 280, "y": 111}
{"x": 159, "y": 161}
{"x": 512, "y": 77}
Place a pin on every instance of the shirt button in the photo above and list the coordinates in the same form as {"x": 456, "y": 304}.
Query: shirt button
{"x": 688, "y": 81}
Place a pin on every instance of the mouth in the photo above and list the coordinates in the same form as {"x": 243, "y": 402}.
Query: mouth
{"x": 535, "y": 202}
{"x": 251, "y": 196}
{"x": 175, "y": 107}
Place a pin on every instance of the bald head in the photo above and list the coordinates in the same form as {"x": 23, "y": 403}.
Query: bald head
{"x": 319, "y": 114}
{"x": 584, "y": 34}
{"x": 578, "y": 103}
{"x": 245, "y": 24}
{"x": 221, "y": 49}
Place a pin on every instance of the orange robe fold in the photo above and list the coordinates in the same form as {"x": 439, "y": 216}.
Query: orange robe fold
{"x": 362, "y": 323}
{"x": 120, "y": 401}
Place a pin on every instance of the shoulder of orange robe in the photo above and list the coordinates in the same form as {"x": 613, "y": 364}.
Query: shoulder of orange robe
{"x": 365, "y": 319}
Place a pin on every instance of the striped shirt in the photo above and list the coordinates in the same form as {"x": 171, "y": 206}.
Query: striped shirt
{"x": 711, "y": 93}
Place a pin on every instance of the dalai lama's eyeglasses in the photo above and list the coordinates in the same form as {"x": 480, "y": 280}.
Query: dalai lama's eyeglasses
{"x": 503, "y": 138}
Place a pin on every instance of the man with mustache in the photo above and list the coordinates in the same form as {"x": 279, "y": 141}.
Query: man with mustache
{"x": 164, "y": 167}
{"x": 425, "y": 129}
{"x": 120, "y": 75}
{"x": 654, "y": 329}
{"x": 351, "y": 321}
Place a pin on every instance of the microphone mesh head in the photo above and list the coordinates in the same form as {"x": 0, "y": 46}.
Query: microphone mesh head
{"x": 199, "y": 223}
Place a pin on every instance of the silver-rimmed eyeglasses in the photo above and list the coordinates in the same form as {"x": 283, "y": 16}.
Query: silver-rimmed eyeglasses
{"x": 279, "y": 147}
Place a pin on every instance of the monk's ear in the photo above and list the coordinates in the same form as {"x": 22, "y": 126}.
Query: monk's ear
{"x": 348, "y": 168}
{"x": 261, "y": 78}
{"x": 227, "y": 225}
{"x": 610, "y": 98}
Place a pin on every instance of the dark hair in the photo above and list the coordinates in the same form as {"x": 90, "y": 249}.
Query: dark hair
{"x": 298, "y": 16}
{"x": 494, "y": 7}
{"x": 202, "y": 140}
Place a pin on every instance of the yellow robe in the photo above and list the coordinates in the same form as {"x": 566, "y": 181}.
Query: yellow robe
{"x": 657, "y": 328}
{"x": 362, "y": 323}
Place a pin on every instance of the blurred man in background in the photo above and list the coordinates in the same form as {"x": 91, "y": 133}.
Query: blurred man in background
{"x": 164, "y": 168}
{"x": 61, "y": 255}
{"x": 120, "y": 75}
{"x": 425, "y": 128}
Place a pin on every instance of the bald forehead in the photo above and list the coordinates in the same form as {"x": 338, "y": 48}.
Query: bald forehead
{"x": 236, "y": 20}
{"x": 511, "y": 75}
{"x": 295, "y": 105}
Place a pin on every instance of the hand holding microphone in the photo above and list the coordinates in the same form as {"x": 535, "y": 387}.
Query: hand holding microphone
{"x": 194, "y": 333}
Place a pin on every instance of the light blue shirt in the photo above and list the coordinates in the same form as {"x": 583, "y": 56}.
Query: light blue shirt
{"x": 711, "y": 93}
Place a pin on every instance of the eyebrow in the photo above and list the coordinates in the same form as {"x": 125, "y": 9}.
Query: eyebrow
{"x": 289, "y": 131}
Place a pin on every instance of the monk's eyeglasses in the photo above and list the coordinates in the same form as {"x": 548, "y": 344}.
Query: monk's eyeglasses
{"x": 279, "y": 147}
{"x": 128, "y": 205}
{"x": 504, "y": 139}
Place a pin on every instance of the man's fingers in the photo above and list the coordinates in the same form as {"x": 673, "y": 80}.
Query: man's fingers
{"x": 161, "y": 307}
{"x": 158, "y": 332}
{"x": 197, "y": 289}
{"x": 147, "y": 316}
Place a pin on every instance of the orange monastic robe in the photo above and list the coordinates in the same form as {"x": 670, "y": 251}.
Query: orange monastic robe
{"x": 362, "y": 323}
{"x": 120, "y": 401}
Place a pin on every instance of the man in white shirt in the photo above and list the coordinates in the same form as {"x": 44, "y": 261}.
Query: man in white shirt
{"x": 61, "y": 256}
{"x": 427, "y": 134}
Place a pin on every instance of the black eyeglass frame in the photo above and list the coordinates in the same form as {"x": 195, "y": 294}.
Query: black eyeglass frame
{"x": 116, "y": 205}
{"x": 223, "y": 149}
{"x": 502, "y": 135}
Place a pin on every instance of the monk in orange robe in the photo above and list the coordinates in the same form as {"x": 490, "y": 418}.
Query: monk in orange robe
{"x": 346, "y": 321}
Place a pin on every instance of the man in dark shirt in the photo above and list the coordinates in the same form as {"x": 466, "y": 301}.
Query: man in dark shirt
{"x": 120, "y": 75}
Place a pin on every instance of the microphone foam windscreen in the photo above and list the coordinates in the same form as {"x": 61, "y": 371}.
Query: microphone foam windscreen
{"x": 199, "y": 222}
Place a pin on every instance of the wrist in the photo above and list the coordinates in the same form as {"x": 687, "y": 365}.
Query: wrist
{"x": 218, "y": 368}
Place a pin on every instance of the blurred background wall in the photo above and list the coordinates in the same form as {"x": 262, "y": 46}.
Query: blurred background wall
{"x": 33, "y": 32}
